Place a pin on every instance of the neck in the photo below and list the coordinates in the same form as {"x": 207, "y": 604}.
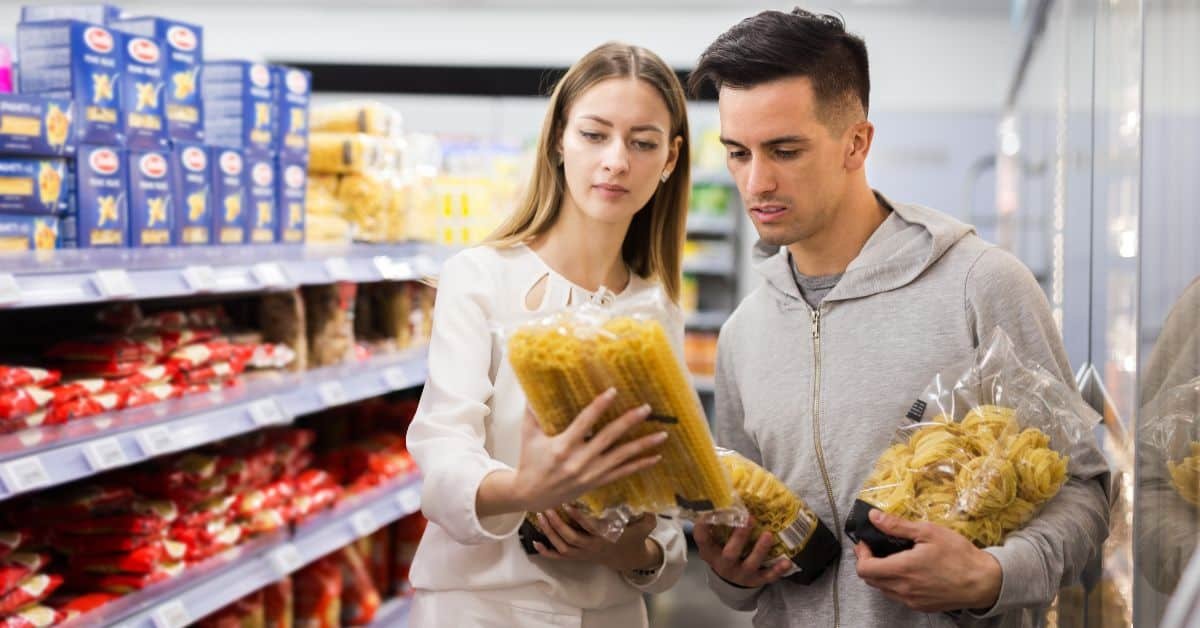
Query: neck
{"x": 831, "y": 251}
{"x": 585, "y": 252}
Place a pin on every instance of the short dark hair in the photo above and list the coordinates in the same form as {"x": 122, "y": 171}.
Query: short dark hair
{"x": 774, "y": 45}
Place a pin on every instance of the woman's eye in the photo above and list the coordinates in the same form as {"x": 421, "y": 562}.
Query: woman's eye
{"x": 591, "y": 137}
{"x": 645, "y": 145}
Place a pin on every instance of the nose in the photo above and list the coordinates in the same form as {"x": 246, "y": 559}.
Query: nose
{"x": 760, "y": 180}
{"x": 616, "y": 157}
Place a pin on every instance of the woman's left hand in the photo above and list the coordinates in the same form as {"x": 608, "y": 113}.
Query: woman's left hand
{"x": 634, "y": 550}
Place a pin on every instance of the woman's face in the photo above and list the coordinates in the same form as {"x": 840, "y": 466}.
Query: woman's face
{"x": 616, "y": 145}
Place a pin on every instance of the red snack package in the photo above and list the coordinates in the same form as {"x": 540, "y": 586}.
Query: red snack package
{"x": 202, "y": 513}
{"x": 312, "y": 480}
{"x": 123, "y": 583}
{"x": 11, "y": 541}
{"x": 17, "y": 376}
{"x": 318, "y": 589}
{"x": 16, "y": 403}
{"x": 379, "y": 558}
{"x": 145, "y": 559}
{"x": 81, "y": 407}
{"x": 271, "y": 356}
{"x": 30, "y": 590}
{"x": 266, "y": 520}
{"x": 408, "y": 532}
{"x": 196, "y": 355}
{"x": 213, "y": 372}
{"x": 81, "y": 501}
{"x": 19, "y": 566}
{"x": 137, "y": 525}
{"x": 269, "y": 496}
{"x": 152, "y": 393}
{"x": 105, "y": 348}
{"x": 200, "y": 549}
{"x": 278, "y": 599}
{"x": 360, "y": 598}
{"x": 81, "y": 604}
{"x": 105, "y": 368}
{"x": 305, "y": 505}
{"x": 81, "y": 544}
{"x": 34, "y": 617}
{"x": 73, "y": 389}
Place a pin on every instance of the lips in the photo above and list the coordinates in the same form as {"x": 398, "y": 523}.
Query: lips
{"x": 610, "y": 191}
{"x": 767, "y": 213}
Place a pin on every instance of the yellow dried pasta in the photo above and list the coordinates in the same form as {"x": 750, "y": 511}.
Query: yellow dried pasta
{"x": 1185, "y": 475}
{"x": 775, "y": 508}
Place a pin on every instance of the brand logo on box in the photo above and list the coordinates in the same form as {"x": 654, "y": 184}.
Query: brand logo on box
{"x": 231, "y": 163}
{"x": 260, "y": 75}
{"x": 98, "y": 39}
{"x": 297, "y": 83}
{"x": 182, "y": 38}
{"x": 104, "y": 161}
{"x": 294, "y": 176}
{"x": 143, "y": 50}
{"x": 153, "y": 165}
{"x": 262, "y": 174}
{"x": 193, "y": 159}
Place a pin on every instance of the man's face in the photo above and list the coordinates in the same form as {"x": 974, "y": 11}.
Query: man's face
{"x": 788, "y": 164}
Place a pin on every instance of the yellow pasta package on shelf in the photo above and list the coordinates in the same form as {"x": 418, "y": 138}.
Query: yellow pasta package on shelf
{"x": 800, "y": 536}
{"x": 367, "y": 117}
{"x": 346, "y": 153}
{"x": 982, "y": 449}
{"x": 563, "y": 361}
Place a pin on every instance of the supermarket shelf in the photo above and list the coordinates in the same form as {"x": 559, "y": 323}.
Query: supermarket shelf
{"x": 214, "y": 584}
{"x": 702, "y": 266}
{"x": 706, "y": 320}
{"x": 393, "y": 613}
{"x": 705, "y": 384}
{"x": 48, "y": 456}
{"x": 700, "y": 225}
{"x": 713, "y": 177}
{"x": 46, "y": 278}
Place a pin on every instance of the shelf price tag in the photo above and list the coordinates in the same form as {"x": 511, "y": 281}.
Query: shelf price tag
{"x": 105, "y": 453}
{"x": 155, "y": 440}
{"x": 114, "y": 284}
{"x": 267, "y": 412}
{"x": 10, "y": 292}
{"x": 269, "y": 274}
{"x": 363, "y": 523}
{"x": 285, "y": 560}
{"x": 200, "y": 278}
{"x": 393, "y": 271}
{"x": 396, "y": 378}
{"x": 409, "y": 500}
{"x": 25, "y": 474}
{"x": 332, "y": 393}
{"x": 338, "y": 269}
{"x": 173, "y": 614}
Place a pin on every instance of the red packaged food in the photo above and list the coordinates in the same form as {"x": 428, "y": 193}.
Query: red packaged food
{"x": 31, "y": 590}
{"x": 269, "y": 496}
{"x": 123, "y": 583}
{"x": 305, "y": 505}
{"x": 214, "y": 372}
{"x": 101, "y": 543}
{"x": 200, "y": 354}
{"x": 145, "y": 559}
{"x": 213, "y": 508}
{"x": 105, "y": 368}
{"x": 17, "y": 376}
{"x": 277, "y": 604}
{"x": 11, "y": 541}
{"x": 34, "y": 617}
{"x": 81, "y": 501}
{"x": 318, "y": 595}
{"x": 408, "y": 532}
{"x": 360, "y": 597}
{"x": 379, "y": 559}
{"x": 271, "y": 356}
{"x": 109, "y": 348}
{"x": 19, "y": 566}
{"x": 81, "y": 604}
{"x": 16, "y": 403}
{"x": 149, "y": 394}
{"x": 266, "y": 520}
{"x": 81, "y": 407}
{"x": 120, "y": 524}
{"x": 311, "y": 480}
{"x": 227, "y": 538}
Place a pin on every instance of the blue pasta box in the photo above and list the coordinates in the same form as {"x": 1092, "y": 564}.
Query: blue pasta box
{"x": 293, "y": 87}
{"x": 95, "y": 13}
{"x": 192, "y": 194}
{"x": 29, "y": 185}
{"x": 291, "y": 181}
{"x": 228, "y": 195}
{"x": 36, "y": 125}
{"x": 20, "y": 232}
{"x": 79, "y": 61}
{"x": 100, "y": 205}
{"x": 238, "y": 105}
{"x": 263, "y": 207}
{"x": 142, "y": 94}
{"x": 183, "y": 51}
{"x": 151, "y": 202}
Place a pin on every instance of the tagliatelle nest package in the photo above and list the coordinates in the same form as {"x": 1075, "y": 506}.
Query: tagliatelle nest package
{"x": 982, "y": 450}
{"x": 1170, "y": 438}
{"x": 565, "y": 360}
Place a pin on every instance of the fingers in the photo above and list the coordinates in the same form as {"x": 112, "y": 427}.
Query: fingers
{"x": 628, "y": 451}
{"x": 702, "y": 535}
{"x": 625, "y": 470}
{"x": 759, "y": 554}
{"x": 585, "y": 522}
{"x": 732, "y": 552}
{"x": 556, "y": 540}
{"x": 583, "y": 424}
{"x": 564, "y": 530}
{"x": 611, "y": 433}
{"x": 897, "y": 526}
{"x": 546, "y": 552}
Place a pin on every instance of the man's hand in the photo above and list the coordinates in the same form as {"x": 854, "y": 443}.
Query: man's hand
{"x": 727, "y": 561}
{"x": 943, "y": 572}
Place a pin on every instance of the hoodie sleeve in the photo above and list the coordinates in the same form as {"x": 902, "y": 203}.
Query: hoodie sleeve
{"x": 731, "y": 434}
{"x": 1053, "y": 549}
{"x": 448, "y": 433}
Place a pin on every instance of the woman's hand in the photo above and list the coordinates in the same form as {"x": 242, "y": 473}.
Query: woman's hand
{"x": 634, "y": 550}
{"x": 558, "y": 469}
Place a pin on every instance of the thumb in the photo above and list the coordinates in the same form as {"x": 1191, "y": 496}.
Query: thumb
{"x": 896, "y": 526}
{"x": 529, "y": 427}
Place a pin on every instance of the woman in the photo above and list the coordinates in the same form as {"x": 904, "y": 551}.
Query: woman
{"x": 605, "y": 207}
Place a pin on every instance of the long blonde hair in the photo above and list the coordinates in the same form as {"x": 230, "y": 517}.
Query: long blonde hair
{"x": 653, "y": 246}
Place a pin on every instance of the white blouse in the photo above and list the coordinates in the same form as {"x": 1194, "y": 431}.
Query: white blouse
{"x": 468, "y": 424}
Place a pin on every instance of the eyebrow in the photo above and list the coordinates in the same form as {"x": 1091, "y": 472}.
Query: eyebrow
{"x": 635, "y": 129}
{"x": 775, "y": 141}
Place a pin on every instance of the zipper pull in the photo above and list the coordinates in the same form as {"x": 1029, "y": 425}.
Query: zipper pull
{"x": 815, "y": 315}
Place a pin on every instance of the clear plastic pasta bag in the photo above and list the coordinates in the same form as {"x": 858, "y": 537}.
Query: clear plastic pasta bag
{"x": 565, "y": 360}
{"x": 1170, "y": 440}
{"x": 983, "y": 448}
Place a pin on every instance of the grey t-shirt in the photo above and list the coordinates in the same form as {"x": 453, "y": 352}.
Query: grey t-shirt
{"x": 813, "y": 289}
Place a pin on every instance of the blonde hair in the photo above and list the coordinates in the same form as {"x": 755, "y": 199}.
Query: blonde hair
{"x": 653, "y": 246}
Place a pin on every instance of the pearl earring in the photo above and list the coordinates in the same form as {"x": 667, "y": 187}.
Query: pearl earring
{"x": 666, "y": 175}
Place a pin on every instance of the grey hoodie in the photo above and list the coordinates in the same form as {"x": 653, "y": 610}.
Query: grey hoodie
{"x": 816, "y": 396}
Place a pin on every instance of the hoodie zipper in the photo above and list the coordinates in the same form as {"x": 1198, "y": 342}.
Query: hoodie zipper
{"x": 815, "y": 315}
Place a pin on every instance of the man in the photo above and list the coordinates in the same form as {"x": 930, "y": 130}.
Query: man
{"x": 864, "y": 301}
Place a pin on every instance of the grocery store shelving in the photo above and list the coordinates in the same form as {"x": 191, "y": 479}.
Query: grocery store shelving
{"x": 211, "y": 585}
{"x": 393, "y": 613}
{"x": 43, "y": 457}
{"x": 712, "y": 177}
{"x": 704, "y": 383}
{"x": 710, "y": 320}
{"x": 701, "y": 225}
{"x": 714, "y": 266}
{"x": 65, "y": 277}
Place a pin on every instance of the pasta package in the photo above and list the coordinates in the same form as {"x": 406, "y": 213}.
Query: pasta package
{"x": 800, "y": 536}
{"x": 367, "y": 117}
{"x": 564, "y": 361}
{"x": 345, "y": 153}
{"x": 1170, "y": 436}
{"x": 1000, "y": 443}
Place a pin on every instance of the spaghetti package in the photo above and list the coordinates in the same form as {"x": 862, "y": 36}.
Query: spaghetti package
{"x": 800, "y": 536}
{"x": 1000, "y": 443}
{"x": 565, "y": 360}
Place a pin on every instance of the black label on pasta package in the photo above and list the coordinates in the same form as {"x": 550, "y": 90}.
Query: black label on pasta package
{"x": 821, "y": 551}
{"x": 663, "y": 418}
{"x": 859, "y": 528}
{"x": 696, "y": 506}
{"x": 917, "y": 410}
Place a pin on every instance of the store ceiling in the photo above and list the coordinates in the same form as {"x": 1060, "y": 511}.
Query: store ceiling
{"x": 989, "y": 7}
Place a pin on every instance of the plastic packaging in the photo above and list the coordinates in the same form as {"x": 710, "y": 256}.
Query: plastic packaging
{"x": 1170, "y": 437}
{"x": 14, "y": 376}
{"x": 369, "y": 117}
{"x": 318, "y": 594}
{"x": 997, "y": 448}
{"x": 360, "y": 596}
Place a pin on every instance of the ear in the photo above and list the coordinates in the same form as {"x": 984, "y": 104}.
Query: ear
{"x": 858, "y": 144}
{"x": 673, "y": 154}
